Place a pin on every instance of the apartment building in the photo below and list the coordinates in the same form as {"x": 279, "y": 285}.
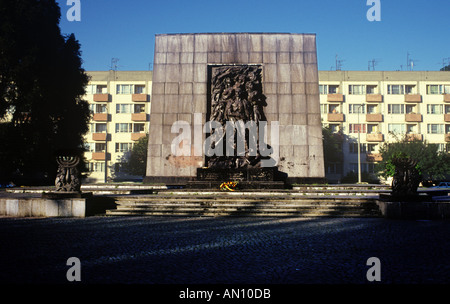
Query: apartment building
{"x": 369, "y": 107}
{"x": 120, "y": 102}
{"x": 375, "y": 107}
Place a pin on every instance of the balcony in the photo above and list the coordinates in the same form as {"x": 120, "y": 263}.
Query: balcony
{"x": 100, "y": 117}
{"x": 412, "y": 117}
{"x": 374, "y": 137}
{"x": 447, "y": 117}
{"x": 139, "y": 97}
{"x": 99, "y": 136}
{"x": 335, "y": 98}
{"x": 446, "y": 97}
{"x": 101, "y": 97}
{"x": 374, "y": 117}
{"x": 374, "y": 157}
{"x": 374, "y": 98}
{"x": 139, "y": 117}
{"x": 100, "y": 156}
{"x": 335, "y": 117}
{"x": 414, "y": 136}
{"x": 447, "y": 137}
{"x": 413, "y": 98}
{"x": 137, "y": 136}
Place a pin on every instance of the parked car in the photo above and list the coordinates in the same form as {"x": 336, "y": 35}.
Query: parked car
{"x": 442, "y": 185}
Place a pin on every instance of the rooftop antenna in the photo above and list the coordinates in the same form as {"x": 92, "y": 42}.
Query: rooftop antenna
{"x": 114, "y": 65}
{"x": 372, "y": 64}
{"x": 338, "y": 63}
{"x": 410, "y": 62}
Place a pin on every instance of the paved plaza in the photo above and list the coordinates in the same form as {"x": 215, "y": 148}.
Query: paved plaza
{"x": 224, "y": 250}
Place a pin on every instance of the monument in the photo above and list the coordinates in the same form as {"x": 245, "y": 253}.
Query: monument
{"x": 235, "y": 107}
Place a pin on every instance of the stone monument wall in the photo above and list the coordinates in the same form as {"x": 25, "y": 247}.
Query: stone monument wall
{"x": 181, "y": 79}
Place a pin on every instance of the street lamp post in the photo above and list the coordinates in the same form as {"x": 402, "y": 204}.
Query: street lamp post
{"x": 359, "y": 146}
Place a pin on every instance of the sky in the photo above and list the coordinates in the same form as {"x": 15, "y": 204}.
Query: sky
{"x": 126, "y": 29}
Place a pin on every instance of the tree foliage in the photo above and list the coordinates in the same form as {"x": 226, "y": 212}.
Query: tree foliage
{"x": 41, "y": 84}
{"x": 432, "y": 164}
{"x": 332, "y": 146}
{"x": 136, "y": 162}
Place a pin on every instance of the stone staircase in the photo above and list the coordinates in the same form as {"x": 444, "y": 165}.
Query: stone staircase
{"x": 311, "y": 203}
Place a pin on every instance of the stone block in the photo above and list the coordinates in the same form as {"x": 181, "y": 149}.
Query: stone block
{"x": 297, "y": 73}
{"x": 51, "y": 208}
{"x": 255, "y": 57}
{"x": 215, "y": 57}
{"x": 12, "y": 207}
{"x": 173, "y": 58}
{"x": 284, "y": 73}
{"x": 185, "y": 104}
{"x": 284, "y": 88}
{"x": 65, "y": 208}
{"x": 297, "y": 58}
{"x": 299, "y": 119}
{"x": 299, "y": 88}
{"x": 159, "y": 73}
{"x": 171, "y": 104}
{"x": 25, "y": 209}
{"x": 201, "y": 43}
{"x": 186, "y": 88}
{"x": 174, "y": 43}
{"x": 158, "y": 88}
{"x": 154, "y": 150}
{"x": 284, "y": 58}
{"x": 79, "y": 207}
{"x": 270, "y": 73}
{"x": 160, "y": 58}
{"x": 285, "y": 119}
{"x": 171, "y": 88}
{"x": 199, "y": 88}
{"x": 309, "y": 43}
{"x": 187, "y": 58}
{"x": 299, "y": 104}
{"x": 242, "y": 43}
{"x": 200, "y": 58}
{"x": 172, "y": 73}
{"x": 187, "y": 73}
{"x": 187, "y": 44}
{"x": 269, "y": 57}
{"x": 200, "y": 73}
{"x": 285, "y": 104}
{"x": 255, "y": 43}
{"x": 169, "y": 119}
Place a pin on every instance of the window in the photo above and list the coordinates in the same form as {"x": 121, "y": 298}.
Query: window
{"x": 139, "y": 89}
{"x": 334, "y": 168}
{"x": 124, "y": 89}
{"x": 371, "y": 89}
{"x": 100, "y": 128}
{"x": 410, "y": 109}
{"x": 99, "y": 108}
{"x": 396, "y": 109}
{"x": 139, "y": 108}
{"x": 357, "y": 128}
{"x": 396, "y": 89}
{"x": 123, "y": 108}
{"x": 323, "y": 108}
{"x": 372, "y": 148}
{"x": 335, "y": 128}
{"x": 100, "y": 147}
{"x": 435, "y": 128}
{"x": 435, "y": 109}
{"x": 325, "y": 89}
{"x": 447, "y": 109}
{"x": 97, "y": 167}
{"x": 372, "y": 128}
{"x": 353, "y": 148}
{"x": 89, "y": 147}
{"x": 434, "y": 89}
{"x": 372, "y": 109}
{"x": 123, "y": 147}
{"x": 138, "y": 128}
{"x": 410, "y": 89}
{"x": 397, "y": 128}
{"x": 334, "y": 108}
{"x": 357, "y": 89}
{"x": 356, "y": 109}
{"x": 96, "y": 89}
{"x": 123, "y": 127}
{"x": 365, "y": 167}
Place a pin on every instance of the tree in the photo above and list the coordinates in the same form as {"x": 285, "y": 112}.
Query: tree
{"x": 431, "y": 165}
{"x": 332, "y": 146}
{"x": 136, "y": 162}
{"x": 446, "y": 68}
{"x": 41, "y": 84}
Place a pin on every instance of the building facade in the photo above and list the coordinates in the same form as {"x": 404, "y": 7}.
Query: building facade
{"x": 120, "y": 103}
{"x": 376, "y": 107}
{"x": 365, "y": 107}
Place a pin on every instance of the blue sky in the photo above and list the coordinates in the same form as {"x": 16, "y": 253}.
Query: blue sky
{"x": 126, "y": 29}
